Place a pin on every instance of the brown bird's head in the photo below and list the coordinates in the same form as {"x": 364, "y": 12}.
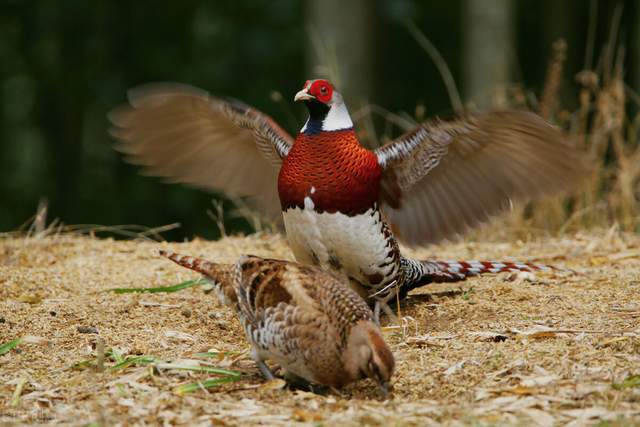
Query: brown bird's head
{"x": 368, "y": 356}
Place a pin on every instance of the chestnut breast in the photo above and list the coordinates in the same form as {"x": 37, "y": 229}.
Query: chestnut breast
{"x": 334, "y": 170}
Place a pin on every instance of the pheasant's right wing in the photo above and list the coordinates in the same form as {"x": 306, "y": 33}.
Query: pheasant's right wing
{"x": 184, "y": 134}
{"x": 443, "y": 178}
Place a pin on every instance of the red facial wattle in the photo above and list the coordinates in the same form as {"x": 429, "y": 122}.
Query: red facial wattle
{"x": 322, "y": 90}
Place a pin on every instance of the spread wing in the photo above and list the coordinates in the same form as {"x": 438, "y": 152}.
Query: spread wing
{"x": 185, "y": 135}
{"x": 443, "y": 178}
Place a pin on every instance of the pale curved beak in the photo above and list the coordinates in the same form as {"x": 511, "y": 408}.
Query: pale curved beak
{"x": 385, "y": 388}
{"x": 303, "y": 95}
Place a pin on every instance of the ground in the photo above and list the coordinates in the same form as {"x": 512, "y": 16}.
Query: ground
{"x": 509, "y": 349}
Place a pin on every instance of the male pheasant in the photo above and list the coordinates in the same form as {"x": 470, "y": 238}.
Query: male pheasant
{"x": 304, "y": 319}
{"x": 340, "y": 201}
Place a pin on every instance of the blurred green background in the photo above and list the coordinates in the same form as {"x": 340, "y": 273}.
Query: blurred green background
{"x": 66, "y": 63}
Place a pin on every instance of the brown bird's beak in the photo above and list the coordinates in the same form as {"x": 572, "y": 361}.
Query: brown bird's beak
{"x": 303, "y": 95}
{"x": 385, "y": 388}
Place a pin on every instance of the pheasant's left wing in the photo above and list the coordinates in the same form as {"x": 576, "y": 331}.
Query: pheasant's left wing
{"x": 443, "y": 178}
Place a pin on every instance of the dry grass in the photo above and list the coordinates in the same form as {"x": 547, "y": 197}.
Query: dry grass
{"x": 605, "y": 126}
{"x": 484, "y": 352}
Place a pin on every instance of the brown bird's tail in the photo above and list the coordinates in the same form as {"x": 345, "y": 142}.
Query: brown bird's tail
{"x": 219, "y": 275}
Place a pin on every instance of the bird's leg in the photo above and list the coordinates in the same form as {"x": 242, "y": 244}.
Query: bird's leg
{"x": 264, "y": 369}
{"x": 376, "y": 312}
{"x": 392, "y": 316}
{"x": 382, "y": 304}
{"x": 337, "y": 392}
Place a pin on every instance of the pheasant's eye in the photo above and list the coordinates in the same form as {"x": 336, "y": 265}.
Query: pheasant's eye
{"x": 323, "y": 90}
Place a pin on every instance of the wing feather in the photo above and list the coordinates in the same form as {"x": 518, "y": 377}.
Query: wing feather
{"x": 185, "y": 135}
{"x": 455, "y": 175}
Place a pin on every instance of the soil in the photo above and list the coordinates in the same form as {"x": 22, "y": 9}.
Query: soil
{"x": 508, "y": 349}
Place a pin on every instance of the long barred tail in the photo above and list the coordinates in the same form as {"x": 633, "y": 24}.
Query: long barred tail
{"x": 200, "y": 265}
{"x": 473, "y": 268}
{"x": 419, "y": 273}
{"x": 219, "y": 275}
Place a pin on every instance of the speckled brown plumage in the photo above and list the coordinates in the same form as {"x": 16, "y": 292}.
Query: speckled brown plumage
{"x": 305, "y": 320}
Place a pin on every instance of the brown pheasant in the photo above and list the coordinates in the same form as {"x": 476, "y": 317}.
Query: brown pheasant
{"x": 308, "y": 322}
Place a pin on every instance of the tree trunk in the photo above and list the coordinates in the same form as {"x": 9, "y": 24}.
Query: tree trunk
{"x": 488, "y": 50}
{"x": 340, "y": 46}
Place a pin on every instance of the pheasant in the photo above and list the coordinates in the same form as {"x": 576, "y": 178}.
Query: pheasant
{"x": 344, "y": 205}
{"x": 311, "y": 324}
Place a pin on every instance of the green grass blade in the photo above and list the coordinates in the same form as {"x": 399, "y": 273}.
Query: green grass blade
{"x": 83, "y": 364}
{"x": 632, "y": 381}
{"x": 135, "y": 360}
{"x": 111, "y": 353}
{"x": 207, "y": 369}
{"x": 216, "y": 354}
{"x": 115, "y": 355}
{"x": 160, "y": 289}
{"x": 212, "y": 382}
{"x": 8, "y": 346}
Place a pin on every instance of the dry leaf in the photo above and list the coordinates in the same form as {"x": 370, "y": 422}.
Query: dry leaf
{"x": 454, "y": 368}
{"x": 523, "y": 391}
{"x": 523, "y": 403}
{"x": 587, "y": 413}
{"x": 305, "y": 416}
{"x": 32, "y": 339}
{"x": 30, "y": 298}
{"x": 180, "y": 336}
{"x": 599, "y": 260}
{"x": 274, "y": 384}
{"x": 540, "y": 418}
{"x": 542, "y": 335}
{"x": 539, "y": 381}
{"x": 624, "y": 255}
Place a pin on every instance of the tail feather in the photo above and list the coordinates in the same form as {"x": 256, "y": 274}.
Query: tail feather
{"x": 473, "y": 268}
{"x": 419, "y": 273}
{"x": 200, "y": 265}
{"x": 219, "y": 275}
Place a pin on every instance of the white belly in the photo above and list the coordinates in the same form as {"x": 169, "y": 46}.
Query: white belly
{"x": 354, "y": 246}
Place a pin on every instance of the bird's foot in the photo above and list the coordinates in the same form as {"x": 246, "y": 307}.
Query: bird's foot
{"x": 390, "y": 313}
{"x": 294, "y": 382}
